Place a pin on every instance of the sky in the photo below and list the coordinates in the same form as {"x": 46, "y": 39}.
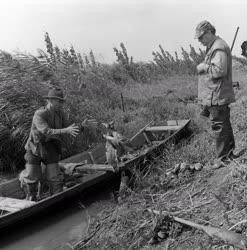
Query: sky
{"x": 101, "y": 25}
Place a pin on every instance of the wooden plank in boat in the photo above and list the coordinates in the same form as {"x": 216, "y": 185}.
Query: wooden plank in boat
{"x": 176, "y": 122}
{"x": 84, "y": 167}
{"x": 172, "y": 123}
{"x": 163, "y": 128}
{"x": 13, "y": 205}
{"x": 97, "y": 167}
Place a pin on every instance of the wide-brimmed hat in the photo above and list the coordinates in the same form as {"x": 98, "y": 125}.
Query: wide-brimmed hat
{"x": 55, "y": 93}
{"x": 203, "y": 27}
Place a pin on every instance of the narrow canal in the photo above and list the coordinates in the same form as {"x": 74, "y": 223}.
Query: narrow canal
{"x": 60, "y": 227}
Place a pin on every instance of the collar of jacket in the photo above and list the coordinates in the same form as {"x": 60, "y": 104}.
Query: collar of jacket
{"x": 211, "y": 44}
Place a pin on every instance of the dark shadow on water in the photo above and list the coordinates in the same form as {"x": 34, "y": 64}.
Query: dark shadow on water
{"x": 66, "y": 218}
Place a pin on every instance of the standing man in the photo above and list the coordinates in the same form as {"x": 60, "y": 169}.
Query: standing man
{"x": 215, "y": 90}
{"x": 44, "y": 144}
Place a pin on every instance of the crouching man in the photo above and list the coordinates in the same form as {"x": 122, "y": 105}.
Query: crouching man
{"x": 44, "y": 145}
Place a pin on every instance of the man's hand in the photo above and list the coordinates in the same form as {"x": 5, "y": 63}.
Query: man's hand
{"x": 73, "y": 130}
{"x": 92, "y": 123}
{"x": 202, "y": 68}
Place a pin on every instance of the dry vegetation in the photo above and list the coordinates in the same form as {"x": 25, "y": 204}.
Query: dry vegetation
{"x": 92, "y": 89}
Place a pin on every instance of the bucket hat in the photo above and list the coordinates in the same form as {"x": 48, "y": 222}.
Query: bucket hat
{"x": 55, "y": 93}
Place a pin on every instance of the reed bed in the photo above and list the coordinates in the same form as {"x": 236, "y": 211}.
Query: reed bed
{"x": 92, "y": 89}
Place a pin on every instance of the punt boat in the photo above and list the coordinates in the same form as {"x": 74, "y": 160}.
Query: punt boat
{"x": 89, "y": 169}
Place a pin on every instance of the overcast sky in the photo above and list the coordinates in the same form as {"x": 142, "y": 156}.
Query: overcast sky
{"x": 101, "y": 25}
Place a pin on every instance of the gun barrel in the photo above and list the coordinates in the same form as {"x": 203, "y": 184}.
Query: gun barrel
{"x": 233, "y": 42}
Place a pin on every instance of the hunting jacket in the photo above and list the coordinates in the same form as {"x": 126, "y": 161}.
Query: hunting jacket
{"x": 46, "y": 125}
{"x": 215, "y": 85}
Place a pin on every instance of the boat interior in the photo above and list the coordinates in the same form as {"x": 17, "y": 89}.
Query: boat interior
{"x": 12, "y": 196}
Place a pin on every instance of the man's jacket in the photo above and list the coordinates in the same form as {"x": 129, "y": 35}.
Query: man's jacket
{"x": 215, "y": 85}
{"x": 46, "y": 125}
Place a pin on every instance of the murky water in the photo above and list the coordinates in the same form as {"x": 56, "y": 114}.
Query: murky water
{"x": 58, "y": 228}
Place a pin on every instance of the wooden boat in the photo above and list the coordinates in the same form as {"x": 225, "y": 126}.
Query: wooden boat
{"x": 148, "y": 141}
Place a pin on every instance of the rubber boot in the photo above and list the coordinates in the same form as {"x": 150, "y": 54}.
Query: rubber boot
{"x": 205, "y": 112}
{"x": 29, "y": 179}
{"x": 32, "y": 190}
{"x": 54, "y": 178}
{"x": 55, "y": 187}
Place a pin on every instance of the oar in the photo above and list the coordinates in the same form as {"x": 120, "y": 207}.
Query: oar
{"x": 141, "y": 130}
{"x": 232, "y": 238}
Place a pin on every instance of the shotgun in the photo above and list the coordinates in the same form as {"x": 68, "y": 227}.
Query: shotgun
{"x": 235, "y": 84}
{"x": 233, "y": 42}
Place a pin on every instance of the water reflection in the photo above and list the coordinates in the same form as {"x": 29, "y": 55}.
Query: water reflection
{"x": 57, "y": 230}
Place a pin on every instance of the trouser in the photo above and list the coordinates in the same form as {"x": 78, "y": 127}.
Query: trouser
{"x": 222, "y": 129}
{"x": 33, "y": 175}
{"x": 54, "y": 177}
